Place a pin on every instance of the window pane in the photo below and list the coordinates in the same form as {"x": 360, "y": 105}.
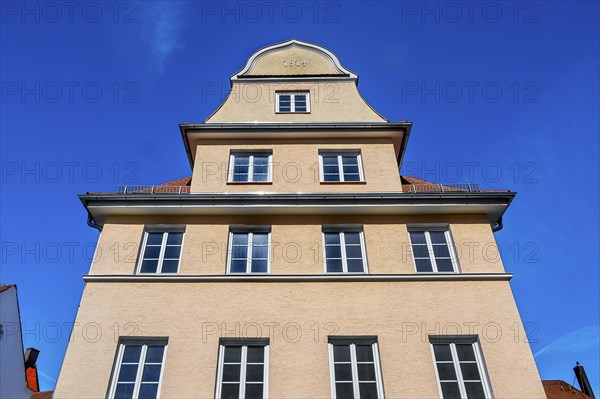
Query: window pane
{"x": 261, "y": 160}
{"x": 343, "y": 372}
{"x": 351, "y": 177}
{"x": 364, "y": 353}
{"x": 331, "y": 169}
{"x": 423, "y": 265}
{"x": 148, "y": 391}
{"x": 172, "y": 252}
{"x": 351, "y": 169}
{"x": 231, "y": 372}
{"x": 446, "y": 371}
{"x": 417, "y": 237}
{"x": 230, "y": 391}
{"x": 174, "y": 238}
{"x": 240, "y": 239}
{"x": 238, "y": 266}
{"x": 300, "y": 107}
{"x": 442, "y": 352}
{"x": 366, "y": 372}
{"x": 154, "y": 239}
{"x": 154, "y": 354}
{"x": 254, "y": 391}
{"x": 331, "y": 177}
{"x": 450, "y": 390}
{"x": 420, "y": 251}
{"x": 260, "y": 238}
{"x": 344, "y": 391}
{"x": 333, "y": 251}
{"x": 170, "y": 266}
{"x": 151, "y": 373}
{"x": 132, "y": 353}
{"x": 444, "y": 265}
{"x": 259, "y": 266}
{"x": 441, "y": 251}
{"x": 341, "y": 353}
{"x": 124, "y": 391}
{"x": 233, "y": 354}
{"x": 128, "y": 372}
{"x": 355, "y": 266}
{"x": 470, "y": 371}
{"x": 465, "y": 352}
{"x": 239, "y": 251}
{"x": 352, "y": 238}
{"x": 334, "y": 265}
{"x": 474, "y": 390}
{"x": 332, "y": 238}
{"x": 152, "y": 252}
{"x": 261, "y": 252}
{"x": 353, "y": 251}
{"x": 256, "y": 354}
{"x": 437, "y": 237}
{"x": 254, "y": 372}
{"x": 260, "y": 177}
{"x": 368, "y": 391}
{"x": 149, "y": 266}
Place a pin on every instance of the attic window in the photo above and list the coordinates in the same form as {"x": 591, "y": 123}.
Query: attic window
{"x": 292, "y": 102}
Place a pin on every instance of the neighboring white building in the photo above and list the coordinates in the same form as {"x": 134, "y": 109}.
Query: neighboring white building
{"x": 13, "y": 375}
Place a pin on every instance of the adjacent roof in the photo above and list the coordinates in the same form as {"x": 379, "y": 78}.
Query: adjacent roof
{"x": 558, "y": 389}
{"x": 6, "y": 287}
{"x": 42, "y": 395}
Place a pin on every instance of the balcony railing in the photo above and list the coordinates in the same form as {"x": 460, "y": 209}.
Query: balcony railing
{"x": 443, "y": 188}
{"x": 138, "y": 189}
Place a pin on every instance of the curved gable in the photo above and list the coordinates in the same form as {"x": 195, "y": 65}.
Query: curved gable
{"x": 293, "y": 58}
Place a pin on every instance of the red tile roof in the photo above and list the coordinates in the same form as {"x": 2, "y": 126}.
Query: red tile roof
{"x": 558, "y": 389}
{"x": 32, "y": 378}
{"x": 42, "y": 395}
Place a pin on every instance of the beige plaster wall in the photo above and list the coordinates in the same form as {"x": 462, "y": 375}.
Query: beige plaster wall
{"x": 298, "y": 317}
{"x": 296, "y": 167}
{"x": 330, "y": 101}
{"x": 296, "y": 243}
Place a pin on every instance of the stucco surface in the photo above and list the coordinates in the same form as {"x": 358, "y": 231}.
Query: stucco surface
{"x": 297, "y": 244}
{"x": 298, "y": 317}
{"x": 296, "y": 167}
{"x": 330, "y": 101}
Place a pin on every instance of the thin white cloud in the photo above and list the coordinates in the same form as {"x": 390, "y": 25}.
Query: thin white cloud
{"x": 162, "y": 24}
{"x": 575, "y": 341}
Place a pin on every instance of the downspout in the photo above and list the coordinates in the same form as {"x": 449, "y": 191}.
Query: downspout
{"x": 92, "y": 223}
{"x": 499, "y": 225}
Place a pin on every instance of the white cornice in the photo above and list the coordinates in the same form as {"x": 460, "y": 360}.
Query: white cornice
{"x": 323, "y": 278}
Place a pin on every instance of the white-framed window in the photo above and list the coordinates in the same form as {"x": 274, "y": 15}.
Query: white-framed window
{"x": 250, "y": 167}
{"x": 433, "y": 250}
{"x": 355, "y": 370}
{"x": 138, "y": 369}
{"x": 243, "y": 370}
{"x": 460, "y": 368}
{"x": 249, "y": 251}
{"x": 161, "y": 251}
{"x": 293, "y": 102}
{"x": 344, "y": 250}
{"x": 344, "y": 166}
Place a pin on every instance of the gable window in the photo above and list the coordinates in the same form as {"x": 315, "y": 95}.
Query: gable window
{"x": 161, "y": 251}
{"x": 250, "y": 167}
{"x": 344, "y": 250}
{"x": 138, "y": 369}
{"x": 249, "y": 251}
{"x": 294, "y": 102}
{"x": 355, "y": 370}
{"x": 460, "y": 368}
{"x": 433, "y": 250}
{"x": 243, "y": 369}
{"x": 341, "y": 166}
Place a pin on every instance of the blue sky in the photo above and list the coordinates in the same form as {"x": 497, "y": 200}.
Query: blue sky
{"x": 500, "y": 93}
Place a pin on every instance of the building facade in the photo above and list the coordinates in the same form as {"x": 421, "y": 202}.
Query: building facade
{"x": 296, "y": 262}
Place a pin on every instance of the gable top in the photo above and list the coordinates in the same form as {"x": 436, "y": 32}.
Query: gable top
{"x": 293, "y": 59}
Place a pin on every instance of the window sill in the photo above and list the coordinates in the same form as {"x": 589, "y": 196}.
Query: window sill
{"x": 241, "y": 183}
{"x": 343, "y": 182}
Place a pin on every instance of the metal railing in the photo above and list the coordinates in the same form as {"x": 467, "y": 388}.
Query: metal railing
{"x": 139, "y": 189}
{"x": 443, "y": 188}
